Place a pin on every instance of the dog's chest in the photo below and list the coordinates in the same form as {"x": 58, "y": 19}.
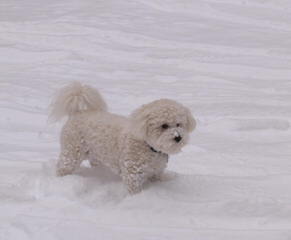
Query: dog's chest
{"x": 157, "y": 162}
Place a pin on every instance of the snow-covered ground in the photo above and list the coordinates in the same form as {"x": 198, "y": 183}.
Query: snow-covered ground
{"x": 228, "y": 60}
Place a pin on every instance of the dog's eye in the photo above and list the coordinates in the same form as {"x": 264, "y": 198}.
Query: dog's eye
{"x": 165, "y": 126}
{"x": 178, "y": 124}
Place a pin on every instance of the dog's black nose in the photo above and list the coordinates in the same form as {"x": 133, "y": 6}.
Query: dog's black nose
{"x": 178, "y": 139}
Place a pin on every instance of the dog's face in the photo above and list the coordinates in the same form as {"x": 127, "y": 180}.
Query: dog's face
{"x": 164, "y": 124}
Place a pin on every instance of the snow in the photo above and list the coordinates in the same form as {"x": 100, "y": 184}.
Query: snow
{"x": 228, "y": 60}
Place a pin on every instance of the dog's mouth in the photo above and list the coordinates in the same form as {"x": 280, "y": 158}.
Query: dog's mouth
{"x": 170, "y": 146}
{"x": 176, "y": 147}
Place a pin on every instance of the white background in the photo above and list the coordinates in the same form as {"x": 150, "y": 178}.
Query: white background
{"x": 229, "y": 61}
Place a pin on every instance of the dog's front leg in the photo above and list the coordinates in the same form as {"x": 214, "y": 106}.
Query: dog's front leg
{"x": 133, "y": 182}
{"x": 133, "y": 174}
{"x": 133, "y": 164}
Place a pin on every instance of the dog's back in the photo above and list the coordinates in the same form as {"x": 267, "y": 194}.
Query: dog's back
{"x": 90, "y": 131}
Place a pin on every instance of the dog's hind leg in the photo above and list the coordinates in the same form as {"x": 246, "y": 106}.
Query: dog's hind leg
{"x": 92, "y": 159}
{"x": 94, "y": 162}
{"x": 70, "y": 159}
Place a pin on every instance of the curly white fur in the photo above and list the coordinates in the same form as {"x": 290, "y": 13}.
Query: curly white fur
{"x": 136, "y": 148}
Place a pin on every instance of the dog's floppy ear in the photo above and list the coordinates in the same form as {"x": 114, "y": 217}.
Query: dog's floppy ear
{"x": 191, "y": 123}
{"x": 139, "y": 120}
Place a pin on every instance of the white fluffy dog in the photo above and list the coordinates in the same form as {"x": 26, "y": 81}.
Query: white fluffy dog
{"x": 136, "y": 148}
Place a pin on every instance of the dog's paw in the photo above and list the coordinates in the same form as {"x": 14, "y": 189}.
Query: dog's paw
{"x": 60, "y": 172}
{"x": 155, "y": 178}
{"x": 134, "y": 190}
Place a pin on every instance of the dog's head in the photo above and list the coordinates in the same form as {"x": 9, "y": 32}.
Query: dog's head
{"x": 164, "y": 124}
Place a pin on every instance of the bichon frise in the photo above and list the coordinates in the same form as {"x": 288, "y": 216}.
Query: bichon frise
{"x": 136, "y": 147}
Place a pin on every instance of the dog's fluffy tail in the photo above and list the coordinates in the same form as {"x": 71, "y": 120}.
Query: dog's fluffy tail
{"x": 76, "y": 98}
